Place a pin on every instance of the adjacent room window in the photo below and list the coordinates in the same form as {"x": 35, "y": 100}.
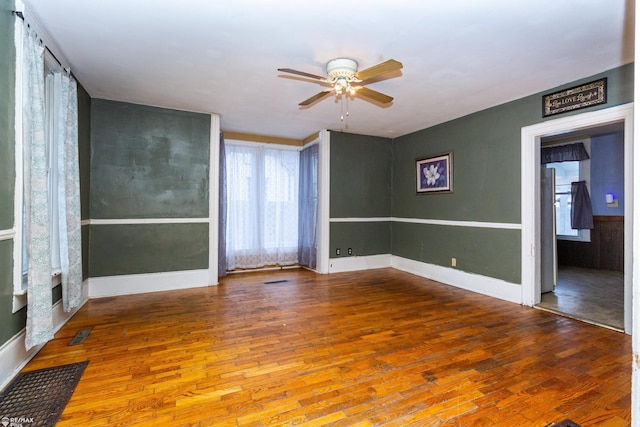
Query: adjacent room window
{"x": 566, "y": 173}
{"x": 262, "y": 205}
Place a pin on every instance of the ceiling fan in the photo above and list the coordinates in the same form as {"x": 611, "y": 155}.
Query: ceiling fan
{"x": 344, "y": 78}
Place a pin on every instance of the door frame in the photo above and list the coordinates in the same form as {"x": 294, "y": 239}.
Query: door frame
{"x": 530, "y": 195}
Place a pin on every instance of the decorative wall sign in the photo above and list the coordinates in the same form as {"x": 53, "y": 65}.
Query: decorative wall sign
{"x": 434, "y": 174}
{"x": 575, "y": 98}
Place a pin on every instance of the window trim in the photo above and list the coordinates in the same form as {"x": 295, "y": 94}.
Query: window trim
{"x": 19, "y": 290}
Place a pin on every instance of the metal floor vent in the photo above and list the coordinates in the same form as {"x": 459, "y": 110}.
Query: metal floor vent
{"x": 81, "y": 335}
{"x": 563, "y": 423}
{"x": 273, "y": 282}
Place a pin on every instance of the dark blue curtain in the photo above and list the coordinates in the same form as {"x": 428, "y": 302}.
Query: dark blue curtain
{"x": 581, "y": 211}
{"x": 308, "y": 206}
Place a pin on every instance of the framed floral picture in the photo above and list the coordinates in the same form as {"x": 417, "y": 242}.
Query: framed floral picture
{"x": 434, "y": 174}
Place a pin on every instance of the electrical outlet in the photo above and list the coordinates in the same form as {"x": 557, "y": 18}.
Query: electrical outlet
{"x": 454, "y": 262}
{"x": 350, "y": 251}
{"x": 337, "y": 251}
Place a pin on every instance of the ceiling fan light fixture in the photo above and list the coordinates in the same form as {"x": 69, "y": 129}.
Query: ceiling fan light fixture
{"x": 342, "y": 85}
{"x": 345, "y": 68}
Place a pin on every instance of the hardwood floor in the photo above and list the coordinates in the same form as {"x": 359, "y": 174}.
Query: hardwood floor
{"x": 376, "y": 348}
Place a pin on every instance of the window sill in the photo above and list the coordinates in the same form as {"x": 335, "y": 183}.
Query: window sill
{"x": 20, "y": 296}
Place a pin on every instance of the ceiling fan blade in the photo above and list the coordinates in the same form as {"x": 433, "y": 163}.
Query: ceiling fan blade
{"x": 376, "y": 70}
{"x": 314, "y": 98}
{"x": 375, "y": 95}
{"x": 301, "y": 73}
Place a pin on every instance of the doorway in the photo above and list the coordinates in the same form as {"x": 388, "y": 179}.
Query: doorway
{"x": 530, "y": 202}
{"x": 582, "y": 270}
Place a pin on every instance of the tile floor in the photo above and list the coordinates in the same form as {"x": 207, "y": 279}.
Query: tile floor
{"x": 595, "y": 296}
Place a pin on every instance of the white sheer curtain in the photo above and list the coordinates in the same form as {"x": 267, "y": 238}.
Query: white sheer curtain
{"x": 68, "y": 183}
{"x": 262, "y": 206}
{"x": 39, "y": 309}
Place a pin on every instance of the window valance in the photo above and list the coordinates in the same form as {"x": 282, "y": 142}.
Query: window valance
{"x": 563, "y": 153}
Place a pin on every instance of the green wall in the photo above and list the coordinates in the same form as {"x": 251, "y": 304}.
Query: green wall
{"x": 10, "y": 324}
{"x": 7, "y": 106}
{"x": 486, "y": 181}
{"x": 146, "y": 163}
{"x": 84, "y": 159}
{"x": 148, "y": 248}
{"x": 360, "y": 188}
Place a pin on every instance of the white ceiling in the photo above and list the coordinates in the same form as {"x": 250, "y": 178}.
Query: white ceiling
{"x": 459, "y": 56}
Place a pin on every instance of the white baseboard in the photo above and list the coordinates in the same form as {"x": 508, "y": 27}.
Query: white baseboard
{"x": 13, "y": 354}
{"x": 355, "y": 263}
{"x": 489, "y": 286}
{"x": 109, "y": 286}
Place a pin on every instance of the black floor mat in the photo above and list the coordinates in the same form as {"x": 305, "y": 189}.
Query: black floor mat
{"x": 37, "y": 398}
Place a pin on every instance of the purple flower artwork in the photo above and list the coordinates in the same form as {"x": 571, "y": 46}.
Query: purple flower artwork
{"x": 434, "y": 174}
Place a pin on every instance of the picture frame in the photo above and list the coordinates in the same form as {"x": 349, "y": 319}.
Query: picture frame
{"x": 575, "y": 98}
{"x": 434, "y": 174}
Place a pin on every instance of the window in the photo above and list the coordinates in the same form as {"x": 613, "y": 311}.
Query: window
{"x": 262, "y": 205}
{"x": 566, "y": 173}
{"x": 53, "y": 86}
{"x": 52, "y": 110}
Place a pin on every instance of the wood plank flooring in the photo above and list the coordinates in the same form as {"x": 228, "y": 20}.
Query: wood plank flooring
{"x": 375, "y": 348}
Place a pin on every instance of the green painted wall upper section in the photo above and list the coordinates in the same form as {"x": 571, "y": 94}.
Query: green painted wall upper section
{"x": 360, "y": 176}
{"x": 360, "y": 188}
{"x": 84, "y": 150}
{"x": 486, "y": 157}
{"x": 84, "y": 158}
{"x": 7, "y": 114}
{"x": 148, "y": 162}
{"x": 10, "y": 323}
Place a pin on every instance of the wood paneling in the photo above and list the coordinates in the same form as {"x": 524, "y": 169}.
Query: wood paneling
{"x": 604, "y": 252}
{"x": 380, "y": 347}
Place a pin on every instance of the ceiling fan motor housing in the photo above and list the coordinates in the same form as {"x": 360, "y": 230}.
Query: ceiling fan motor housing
{"x": 344, "y": 68}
